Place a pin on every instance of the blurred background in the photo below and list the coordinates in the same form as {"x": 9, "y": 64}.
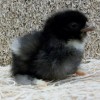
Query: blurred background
{"x": 18, "y": 17}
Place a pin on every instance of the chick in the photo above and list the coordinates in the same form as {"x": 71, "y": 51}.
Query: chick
{"x": 54, "y": 52}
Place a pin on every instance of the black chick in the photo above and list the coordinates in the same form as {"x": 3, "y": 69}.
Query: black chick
{"x": 56, "y": 51}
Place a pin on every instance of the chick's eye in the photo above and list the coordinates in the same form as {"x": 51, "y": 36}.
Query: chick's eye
{"x": 74, "y": 25}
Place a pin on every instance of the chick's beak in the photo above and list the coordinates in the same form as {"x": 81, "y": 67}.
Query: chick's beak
{"x": 87, "y": 28}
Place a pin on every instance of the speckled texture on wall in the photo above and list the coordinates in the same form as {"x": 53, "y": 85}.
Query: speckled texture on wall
{"x": 17, "y": 17}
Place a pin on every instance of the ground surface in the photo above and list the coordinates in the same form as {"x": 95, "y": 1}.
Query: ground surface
{"x": 73, "y": 88}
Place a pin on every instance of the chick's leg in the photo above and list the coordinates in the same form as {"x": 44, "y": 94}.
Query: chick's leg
{"x": 80, "y": 72}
